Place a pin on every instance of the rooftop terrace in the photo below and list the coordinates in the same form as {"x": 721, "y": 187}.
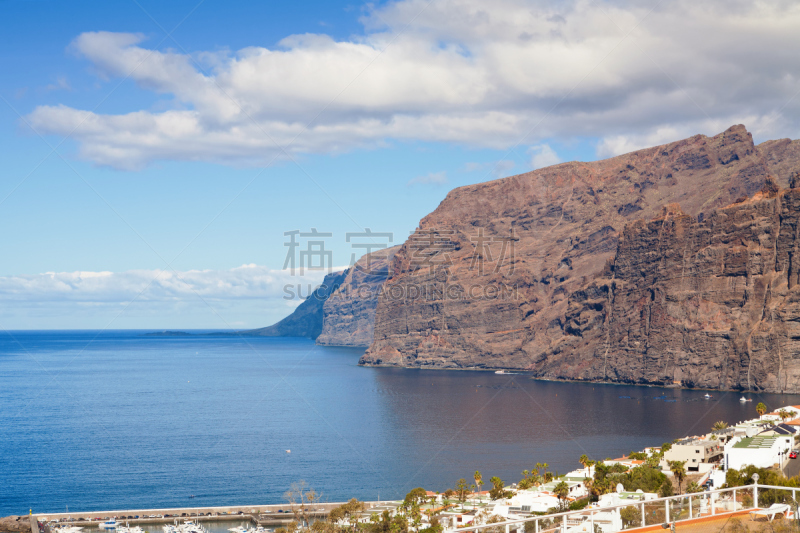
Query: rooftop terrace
{"x": 756, "y": 442}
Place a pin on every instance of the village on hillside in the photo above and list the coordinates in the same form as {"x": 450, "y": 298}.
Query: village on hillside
{"x": 694, "y": 477}
{"x": 727, "y": 455}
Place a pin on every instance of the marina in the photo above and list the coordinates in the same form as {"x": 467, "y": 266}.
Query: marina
{"x": 253, "y": 519}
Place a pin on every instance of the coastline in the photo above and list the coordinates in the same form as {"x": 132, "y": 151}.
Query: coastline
{"x": 530, "y": 375}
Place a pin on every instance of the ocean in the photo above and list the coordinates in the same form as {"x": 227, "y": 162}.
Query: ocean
{"x": 95, "y": 420}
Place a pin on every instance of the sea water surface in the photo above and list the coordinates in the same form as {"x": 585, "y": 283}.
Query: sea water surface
{"x": 117, "y": 420}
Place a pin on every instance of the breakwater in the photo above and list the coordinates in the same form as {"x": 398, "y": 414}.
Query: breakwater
{"x": 263, "y": 515}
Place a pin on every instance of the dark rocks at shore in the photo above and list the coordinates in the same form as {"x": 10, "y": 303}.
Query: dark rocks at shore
{"x": 15, "y": 524}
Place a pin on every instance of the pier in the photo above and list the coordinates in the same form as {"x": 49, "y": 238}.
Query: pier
{"x": 260, "y": 515}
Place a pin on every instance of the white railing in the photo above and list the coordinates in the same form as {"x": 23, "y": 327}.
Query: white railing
{"x": 656, "y": 511}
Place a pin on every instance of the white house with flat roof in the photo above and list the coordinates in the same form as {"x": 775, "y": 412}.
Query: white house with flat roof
{"x": 695, "y": 452}
{"x": 759, "y": 451}
{"x": 542, "y": 498}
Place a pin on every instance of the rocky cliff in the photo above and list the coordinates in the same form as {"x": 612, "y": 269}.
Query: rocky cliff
{"x": 306, "y": 320}
{"x": 349, "y": 313}
{"x": 539, "y": 271}
{"x": 341, "y": 311}
{"x": 712, "y": 303}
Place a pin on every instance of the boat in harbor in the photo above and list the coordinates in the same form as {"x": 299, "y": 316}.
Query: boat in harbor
{"x": 109, "y": 524}
{"x": 707, "y": 396}
{"x": 188, "y": 526}
{"x": 743, "y": 399}
{"x": 67, "y": 529}
{"x": 128, "y": 529}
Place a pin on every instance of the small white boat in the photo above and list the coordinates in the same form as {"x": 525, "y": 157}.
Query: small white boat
{"x": 67, "y": 529}
{"x": 127, "y": 529}
{"x": 110, "y": 524}
{"x": 707, "y": 396}
{"x": 500, "y": 372}
{"x": 743, "y": 399}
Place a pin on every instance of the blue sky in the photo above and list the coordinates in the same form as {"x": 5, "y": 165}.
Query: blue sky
{"x": 189, "y": 136}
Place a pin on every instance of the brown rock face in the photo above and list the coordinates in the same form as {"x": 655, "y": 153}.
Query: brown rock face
{"x": 349, "y": 313}
{"x": 709, "y": 304}
{"x": 15, "y": 524}
{"x": 783, "y": 158}
{"x": 564, "y": 298}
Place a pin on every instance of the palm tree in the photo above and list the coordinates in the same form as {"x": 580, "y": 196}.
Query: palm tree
{"x": 584, "y": 460}
{"x": 561, "y": 490}
{"x": 693, "y": 487}
{"x": 761, "y": 409}
{"x": 784, "y": 414}
{"x": 719, "y": 425}
{"x": 678, "y": 469}
{"x": 547, "y": 477}
{"x": 478, "y": 480}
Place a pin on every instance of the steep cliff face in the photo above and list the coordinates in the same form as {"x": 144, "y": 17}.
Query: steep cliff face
{"x": 455, "y": 298}
{"x": 712, "y": 303}
{"x": 349, "y": 313}
{"x": 341, "y": 311}
{"x": 306, "y": 320}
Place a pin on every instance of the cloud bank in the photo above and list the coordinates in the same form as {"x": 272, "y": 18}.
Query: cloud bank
{"x": 477, "y": 73}
{"x": 250, "y": 295}
{"x": 244, "y": 282}
{"x": 434, "y": 178}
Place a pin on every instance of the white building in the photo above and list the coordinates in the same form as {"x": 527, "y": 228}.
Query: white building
{"x": 529, "y": 501}
{"x": 694, "y": 452}
{"x": 759, "y": 451}
{"x": 607, "y": 521}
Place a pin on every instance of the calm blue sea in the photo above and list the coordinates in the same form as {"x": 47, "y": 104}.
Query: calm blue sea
{"x": 115, "y": 420}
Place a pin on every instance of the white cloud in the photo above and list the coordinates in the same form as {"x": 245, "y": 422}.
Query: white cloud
{"x": 473, "y": 72}
{"x": 498, "y": 169}
{"x": 543, "y": 156}
{"x": 434, "y": 178}
{"x": 249, "y": 296}
{"x": 61, "y": 84}
{"x": 502, "y": 168}
{"x": 244, "y": 282}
